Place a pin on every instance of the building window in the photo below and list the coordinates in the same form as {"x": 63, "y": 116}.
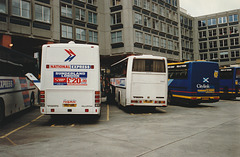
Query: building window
{"x": 174, "y": 2}
{"x": 139, "y": 37}
{"x": 213, "y": 55}
{"x": 154, "y": 7}
{"x": 169, "y": 29}
{"x": 235, "y": 54}
{"x": 176, "y": 46}
{"x": 147, "y": 21}
{"x": 162, "y": 11}
{"x": 42, "y": 13}
{"x": 187, "y": 56}
{"x": 234, "y": 41}
{"x": 203, "y": 45}
{"x": 93, "y": 36}
{"x": 168, "y": 1}
{"x": 163, "y": 43}
{"x": 175, "y": 16}
{"x": 138, "y": 3}
{"x": 212, "y": 44}
{"x": 212, "y": 22}
{"x": 155, "y": 24}
{"x": 92, "y": 17}
{"x": 80, "y": 14}
{"x": 223, "y": 55}
{"x": 212, "y": 33}
{"x": 222, "y": 31}
{"x": 93, "y": 2}
{"x": 202, "y": 23}
{"x": 183, "y": 43}
{"x": 175, "y": 31}
{"x": 168, "y": 13}
{"x": 223, "y": 43}
{"x": 222, "y": 20}
{"x": 67, "y": 32}
{"x": 181, "y": 19}
{"x": 202, "y": 34}
{"x": 203, "y": 56}
{"x": 185, "y": 21}
{"x": 170, "y": 45}
{"x": 115, "y": 18}
{"x": 187, "y": 32}
{"x": 163, "y": 27}
{"x": 116, "y": 37}
{"x": 21, "y": 8}
{"x": 191, "y": 45}
{"x": 116, "y": 2}
{"x": 233, "y": 30}
{"x": 187, "y": 45}
{"x": 148, "y": 39}
{"x": 190, "y": 23}
{"x": 3, "y": 6}
{"x": 138, "y": 19}
{"x": 80, "y": 34}
{"x": 66, "y": 10}
{"x": 146, "y": 4}
{"x": 155, "y": 41}
{"x": 233, "y": 18}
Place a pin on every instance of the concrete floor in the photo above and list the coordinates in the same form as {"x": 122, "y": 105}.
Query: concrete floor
{"x": 205, "y": 130}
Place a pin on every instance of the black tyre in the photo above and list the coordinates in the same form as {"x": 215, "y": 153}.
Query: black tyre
{"x": 2, "y": 112}
{"x": 169, "y": 99}
{"x": 32, "y": 100}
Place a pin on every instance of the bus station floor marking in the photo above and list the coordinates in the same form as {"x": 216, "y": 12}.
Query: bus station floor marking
{"x": 11, "y": 141}
{"x": 6, "y": 135}
{"x": 57, "y": 126}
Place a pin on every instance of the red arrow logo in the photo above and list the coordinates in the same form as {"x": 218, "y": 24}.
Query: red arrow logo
{"x": 71, "y": 55}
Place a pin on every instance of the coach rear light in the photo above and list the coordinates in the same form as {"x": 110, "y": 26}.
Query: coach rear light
{"x": 42, "y": 98}
{"x": 134, "y": 101}
{"x": 159, "y": 102}
{"x": 97, "y": 98}
{"x": 194, "y": 98}
{"x": 137, "y": 101}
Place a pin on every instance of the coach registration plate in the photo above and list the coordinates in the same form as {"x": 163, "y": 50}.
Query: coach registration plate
{"x": 148, "y": 101}
{"x": 205, "y": 98}
{"x": 69, "y": 105}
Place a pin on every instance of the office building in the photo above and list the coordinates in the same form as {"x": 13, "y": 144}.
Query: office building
{"x": 121, "y": 28}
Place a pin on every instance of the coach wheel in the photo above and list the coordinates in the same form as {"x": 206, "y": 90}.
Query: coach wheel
{"x": 2, "y": 111}
{"x": 169, "y": 99}
{"x": 32, "y": 100}
{"x": 119, "y": 100}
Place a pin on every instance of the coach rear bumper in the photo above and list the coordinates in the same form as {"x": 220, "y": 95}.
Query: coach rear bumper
{"x": 199, "y": 99}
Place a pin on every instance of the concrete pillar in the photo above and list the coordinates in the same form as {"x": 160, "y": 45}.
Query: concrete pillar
{"x": 50, "y": 42}
{"x": 6, "y": 41}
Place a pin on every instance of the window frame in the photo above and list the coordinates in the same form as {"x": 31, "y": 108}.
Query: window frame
{"x": 21, "y": 9}
{"x": 80, "y": 14}
{"x": 92, "y": 17}
{"x": 118, "y": 35}
{"x": 94, "y": 37}
{"x": 115, "y": 18}
{"x": 67, "y": 31}
{"x": 42, "y": 13}
{"x": 66, "y": 10}
{"x": 83, "y": 36}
